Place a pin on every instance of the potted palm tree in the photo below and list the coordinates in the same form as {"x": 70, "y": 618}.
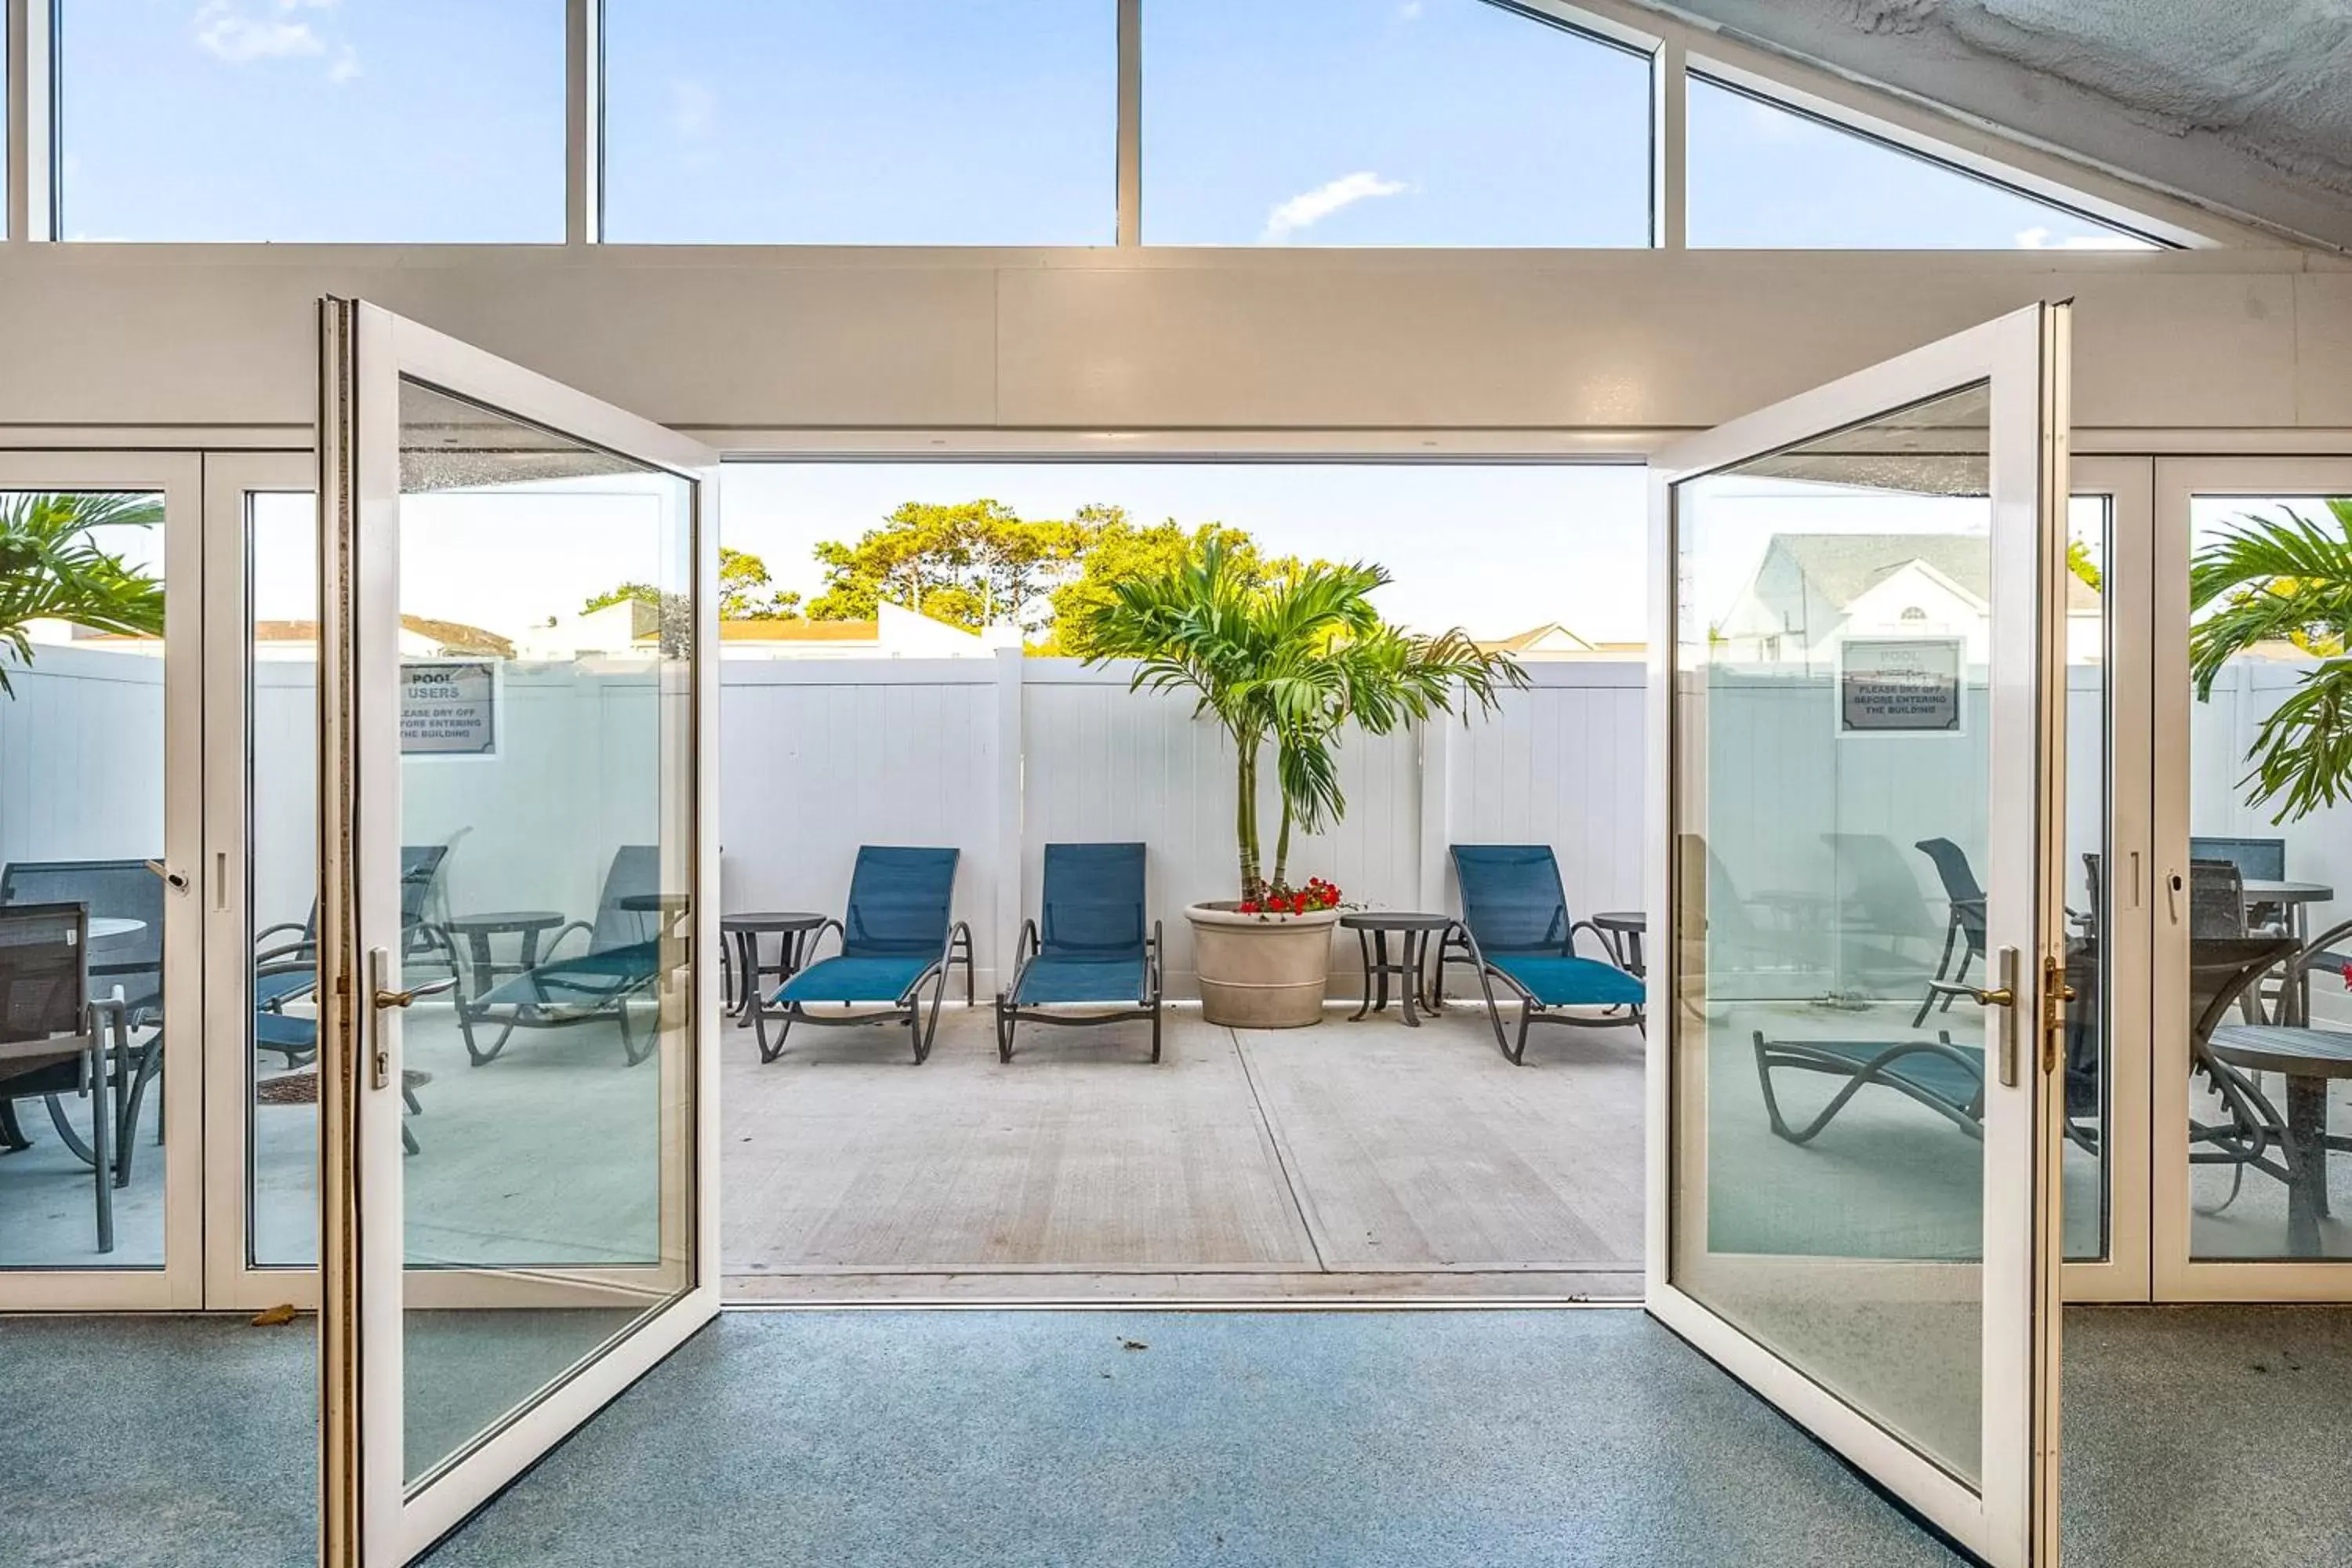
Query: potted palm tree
{"x": 2284, "y": 580}
{"x": 50, "y": 569}
{"x": 1282, "y": 660}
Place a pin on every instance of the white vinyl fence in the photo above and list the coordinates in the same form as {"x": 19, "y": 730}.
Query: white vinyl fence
{"x": 999, "y": 756}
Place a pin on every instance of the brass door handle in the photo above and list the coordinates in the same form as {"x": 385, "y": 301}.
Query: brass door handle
{"x": 403, "y": 998}
{"x": 1999, "y": 997}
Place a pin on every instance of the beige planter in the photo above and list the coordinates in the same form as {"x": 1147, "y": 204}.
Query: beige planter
{"x": 1261, "y": 971}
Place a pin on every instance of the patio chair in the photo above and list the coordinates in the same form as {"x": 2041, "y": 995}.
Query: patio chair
{"x": 622, "y": 960}
{"x": 1516, "y": 931}
{"x": 2222, "y": 972}
{"x": 1964, "y": 931}
{"x": 1949, "y": 1080}
{"x": 1093, "y": 947}
{"x": 897, "y": 935}
{"x": 1783, "y": 947}
{"x": 52, "y": 1040}
{"x": 290, "y": 969}
{"x": 129, "y": 967}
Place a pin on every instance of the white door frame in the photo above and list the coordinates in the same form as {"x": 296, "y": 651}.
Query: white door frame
{"x": 370, "y": 1517}
{"x": 2012, "y": 1521}
{"x": 2178, "y": 1275}
{"x": 232, "y": 1281}
{"x": 2123, "y": 1275}
{"x": 178, "y": 1284}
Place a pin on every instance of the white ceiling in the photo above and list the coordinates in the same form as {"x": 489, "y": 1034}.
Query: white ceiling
{"x": 2243, "y": 104}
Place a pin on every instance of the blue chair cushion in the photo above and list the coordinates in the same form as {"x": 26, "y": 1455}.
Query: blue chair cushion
{"x": 1050, "y": 980}
{"x": 278, "y": 1032}
{"x": 1558, "y": 981}
{"x": 283, "y": 985}
{"x": 1931, "y": 1072}
{"x": 854, "y": 980}
{"x": 590, "y": 979}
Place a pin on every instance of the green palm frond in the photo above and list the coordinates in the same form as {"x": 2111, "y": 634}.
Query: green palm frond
{"x": 50, "y": 569}
{"x": 1288, "y": 658}
{"x": 2284, "y": 579}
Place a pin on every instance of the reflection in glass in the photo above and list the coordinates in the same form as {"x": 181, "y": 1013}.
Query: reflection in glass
{"x": 282, "y": 890}
{"x": 547, "y": 852}
{"x": 1833, "y": 773}
{"x": 81, "y": 822}
{"x": 2083, "y": 1170}
{"x": 2270, "y": 869}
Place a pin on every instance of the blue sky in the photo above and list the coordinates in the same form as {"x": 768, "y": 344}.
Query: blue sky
{"x": 910, "y": 121}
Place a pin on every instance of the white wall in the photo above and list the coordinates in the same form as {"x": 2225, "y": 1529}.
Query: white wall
{"x": 1614, "y": 345}
{"x": 81, "y": 757}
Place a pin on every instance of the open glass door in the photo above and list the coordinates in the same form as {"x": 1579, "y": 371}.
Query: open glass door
{"x": 517, "y": 1049}
{"x": 1855, "y": 1109}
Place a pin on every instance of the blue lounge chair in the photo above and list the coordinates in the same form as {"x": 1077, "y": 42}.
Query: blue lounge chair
{"x": 1516, "y": 929}
{"x": 1093, "y": 949}
{"x": 897, "y": 934}
{"x": 289, "y": 969}
{"x": 624, "y": 958}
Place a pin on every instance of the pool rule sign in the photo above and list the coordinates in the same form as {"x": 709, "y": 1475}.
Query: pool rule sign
{"x": 448, "y": 707}
{"x": 1900, "y": 686}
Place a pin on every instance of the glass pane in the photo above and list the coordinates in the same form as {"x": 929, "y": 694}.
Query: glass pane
{"x": 282, "y": 574}
{"x": 2270, "y": 984}
{"x": 547, "y": 826}
{"x": 1344, "y": 123}
{"x": 1764, "y": 176}
{"x": 271, "y": 120}
{"x": 861, "y": 122}
{"x": 1833, "y": 778}
{"x": 2084, "y": 1174}
{"x": 81, "y": 814}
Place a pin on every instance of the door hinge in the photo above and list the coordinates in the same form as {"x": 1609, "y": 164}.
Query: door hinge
{"x": 2056, "y": 994}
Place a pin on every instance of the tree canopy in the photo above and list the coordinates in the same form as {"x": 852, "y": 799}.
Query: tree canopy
{"x": 51, "y": 570}
{"x": 742, "y": 582}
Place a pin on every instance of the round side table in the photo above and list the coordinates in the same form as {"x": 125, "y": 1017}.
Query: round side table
{"x": 1373, "y": 927}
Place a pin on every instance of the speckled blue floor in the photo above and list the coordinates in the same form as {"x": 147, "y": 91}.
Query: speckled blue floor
{"x": 1143, "y": 1438}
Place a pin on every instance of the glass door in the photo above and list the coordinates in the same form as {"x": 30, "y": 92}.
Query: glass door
{"x": 519, "y": 1051}
{"x": 100, "y": 813}
{"x": 2253, "y": 949}
{"x": 1856, "y": 1084}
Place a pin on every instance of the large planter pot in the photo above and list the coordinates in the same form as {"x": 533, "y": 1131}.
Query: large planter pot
{"x": 1261, "y": 971}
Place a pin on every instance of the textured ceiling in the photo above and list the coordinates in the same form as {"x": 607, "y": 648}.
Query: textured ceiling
{"x": 2244, "y": 104}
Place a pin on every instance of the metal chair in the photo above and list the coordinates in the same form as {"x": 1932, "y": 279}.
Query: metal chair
{"x": 52, "y": 1042}
{"x": 622, "y": 961}
{"x": 1516, "y": 931}
{"x": 1964, "y": 930}
{"x": 898, "y": 935}
{"x": 1095, "y": 947}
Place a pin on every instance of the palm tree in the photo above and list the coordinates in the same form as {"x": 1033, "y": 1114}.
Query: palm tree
{"x": 1289, "y": 661}
{"x": 50, "y": 569}
{"x": 2284, "y": 579}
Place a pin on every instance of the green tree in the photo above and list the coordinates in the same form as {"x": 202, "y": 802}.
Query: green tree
{"x": 2080, "y": 562}
{"x": 743, "y": 579}
{"x": 971, "y": 564}
{"x": 2284, "y": 579}
{"x": 51, "y": 570}
{"x": 1113, "y": 549}
{"x": 1288, "y": 660}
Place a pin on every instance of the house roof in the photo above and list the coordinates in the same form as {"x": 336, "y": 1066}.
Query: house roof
{"x": 1550, "y": 637}
{"x": 1842, "y": 567}
{"x": 781, "y": 630}
{"x": 455, "y": 636}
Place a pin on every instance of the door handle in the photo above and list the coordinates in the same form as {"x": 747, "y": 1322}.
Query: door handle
{"x": 381, "y": 997}
{"x": 403, "y": 998}
{"x": 2003, "y": 996}
{"x": 2172, "y": 887}
{"x": 175, "y": 880}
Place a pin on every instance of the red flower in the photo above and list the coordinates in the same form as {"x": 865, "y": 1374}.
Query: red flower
{"x": 1249, "y": 906}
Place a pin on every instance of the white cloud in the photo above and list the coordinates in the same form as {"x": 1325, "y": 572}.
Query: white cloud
{"x": 1308, "y": 208}
{"x": 238, "y": 32}
{"x": 693, "y": 107}
{"x": 1409, "y": 11}
{"x": 2040, "y": 238}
